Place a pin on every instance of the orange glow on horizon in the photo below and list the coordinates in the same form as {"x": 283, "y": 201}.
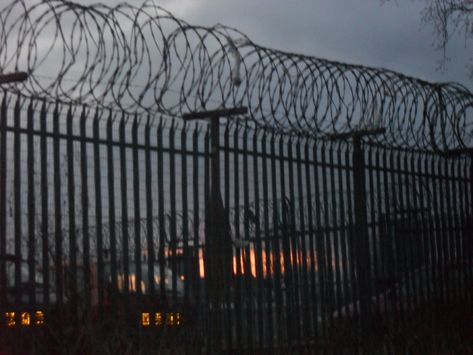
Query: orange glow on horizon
{"x": 267, "y": 262}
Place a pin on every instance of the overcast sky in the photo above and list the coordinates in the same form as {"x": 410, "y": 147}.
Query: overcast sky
{"x": 364, "y": 32}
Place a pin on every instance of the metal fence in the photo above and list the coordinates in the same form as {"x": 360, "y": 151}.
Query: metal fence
{"x": 100, "y": 207}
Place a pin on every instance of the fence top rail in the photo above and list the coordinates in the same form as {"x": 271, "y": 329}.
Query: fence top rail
{"x": 143, "y": 59}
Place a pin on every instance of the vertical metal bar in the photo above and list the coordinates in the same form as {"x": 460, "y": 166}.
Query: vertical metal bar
{"x": 443, "y": 233}
{"x": 57, "y": 209}
{"x": 395, "y": 243}
{"x": 17, "y": 198}
{"x": 294, "y": 247}
{"x": 248, "y": 294}
{"x": 349, "y": 177}
{"x": 137, "y": 207}
{"x": 258, "y": 245}
{"x": 31, "y": 207}
{"x": 372, "y": 227}
{"x": 162, "y": 228}
{"x": 305, "y": 301}
{"x": 314, "y": 297}
{"x": 439, "y": 196}
{"x": 468, "y": 228}
{"x": 43, "y": 150}
{"x": 227, "y": 237}
{"x": 424, "y": 192}
{"x": 401, "y": 218}
{"x": 279, "y": 306}
{"x": 326, "y": 235}
{"x": 71, "y": 273}
{"x": 461, "y": 191}
{"x": 206, "y": 206}
{"x": 98, "y": 210}
{"x": 464, "y": 192}
{"x": 408, "y": 215}
{"x": 217, "y": 233}
{"x": 185, "y": 211}
{"x": 415, "y": 251}
{"x": 438, "y": 226}
{"x": 335, "y": 226}
{"x": 286, "y": 205}
{"x": 207, "y": 244}
{"x": 398, "y": 220}
{"x": 196, "y": 216}
{"x": 386, "y": 235}
{"x": 429, "y": 181}
{"x": 112, "y": 204}
{"x": 238, "y": 273}
{"x": 149, "y": 210}
{"x": 455, "y": 237}
{"x": 417, "y": 196}
{"x": 343, "y": 227}
{"x": 452, "y": 203}
{"x": 449, "y": 234}
{"x": 172, "y": 199}
{"x": 124, "y": 201}
{"x": 363, "y": 263}
{"x": 320, "y": 254}
{"x": 382, "y": 285}
{"x": 269, "y": 255}
{"x": 85, "y": 209}
{"x": 3, "y": 202}
{"x": 430, "y": 290}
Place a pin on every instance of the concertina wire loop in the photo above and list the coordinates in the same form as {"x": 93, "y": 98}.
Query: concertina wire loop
{"x": 143, "y": 59}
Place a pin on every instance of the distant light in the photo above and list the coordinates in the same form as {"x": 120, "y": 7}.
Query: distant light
{"x": 10, "y": 317}
{"x": 145, "y": 321}
{"x": 25, "y": 319}
{"x": 178, "y": 318}
{"x": 160, "y": 319}
{"x": 39, "y": 315}
{"x": 170, "y": 319}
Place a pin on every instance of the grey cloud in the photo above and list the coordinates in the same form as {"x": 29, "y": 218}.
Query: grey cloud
{"x": 359, "y": 31}
{"x": 362, "y": 32}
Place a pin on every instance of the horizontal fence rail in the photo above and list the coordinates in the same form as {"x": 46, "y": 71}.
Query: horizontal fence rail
{"x": 103, "y": 211}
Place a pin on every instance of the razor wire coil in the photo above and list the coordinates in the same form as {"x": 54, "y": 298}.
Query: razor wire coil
{"x": 143, "y": 59}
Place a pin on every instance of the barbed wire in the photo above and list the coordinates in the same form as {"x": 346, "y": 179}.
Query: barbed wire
{"x": 143, "y": 59}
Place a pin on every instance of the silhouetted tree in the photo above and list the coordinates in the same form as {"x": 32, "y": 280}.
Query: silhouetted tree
{"x": 448, "y": 18}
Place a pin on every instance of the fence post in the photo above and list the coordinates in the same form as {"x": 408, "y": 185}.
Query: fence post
{"x": 215, "y": 257}
{"x": 3, "y": 201}
{"x": 361, "y": 246}
{"x": 469, "y": 232}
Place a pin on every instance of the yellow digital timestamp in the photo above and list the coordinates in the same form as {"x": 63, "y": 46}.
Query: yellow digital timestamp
{"x": 158, "y": 319}
{"x": 24, "y": 319}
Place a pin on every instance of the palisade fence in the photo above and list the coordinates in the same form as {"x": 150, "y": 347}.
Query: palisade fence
{"x": 97, "y": 203}
{"x": 332, "y": 211}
